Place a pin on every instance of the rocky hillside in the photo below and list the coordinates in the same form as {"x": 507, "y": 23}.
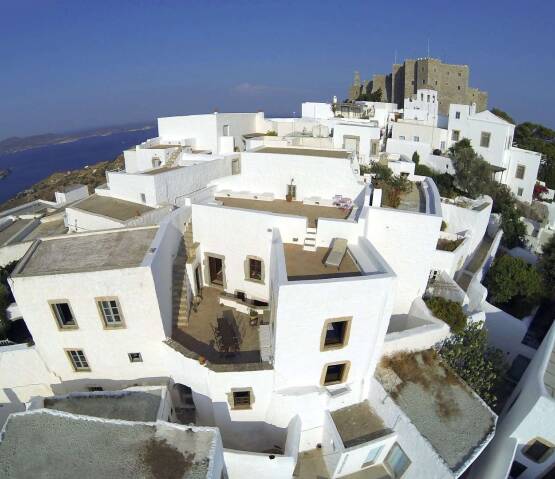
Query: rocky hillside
{"x": 92, "y": 176}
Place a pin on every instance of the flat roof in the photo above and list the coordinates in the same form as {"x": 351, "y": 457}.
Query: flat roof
{"x": 12, "y": 228}
{"x": 358, "y": 424}
{"x": 111, "y": 207}
{"x": 46, "y": 229}
{"x": 296, "y": 208}
{"x": 57, "y": 445}
{"x": 305, "y": 265}
{"x": 303, "y": 152}
{"x": 454, "y": 420}
{"x": 112, "y": 249}
{"x": 124, "y": 405}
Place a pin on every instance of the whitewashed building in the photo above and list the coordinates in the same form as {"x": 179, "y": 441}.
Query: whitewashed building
{"x": 266, "y": 298}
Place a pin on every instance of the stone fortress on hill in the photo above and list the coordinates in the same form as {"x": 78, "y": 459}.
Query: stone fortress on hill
{"x": 450, "y": 81}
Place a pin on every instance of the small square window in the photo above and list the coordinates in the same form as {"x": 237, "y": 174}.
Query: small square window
{"x": 458, "y": 87}
{"x": 520, "y": 172}
{"x": 242, "y": 399}
{"x": 335, "y": 373}
{"x": 64, "y": 315}
{"x": 372, "y": 456}
{"x": 401, "y": 137}
{"x": 519, "y": 192}
{"x": 255, "y": 269}
{"x": 416, "y": 138}
{"x": 143, "y": 198}
{"x": 135, "y": 357}
{"x": 93, "y": 389}
{"x": 397, "y": 462}
{"x": 336, "y": 333}
{"x": 455, "y": 135}
{"x": 537, "y": 450}
{"x": 484, "y": 139}
{"x": 78, "y": 359}
{"x": 516, "y": 470}
{"x": 457, "y": 115}
{"x": 110, "y": 312}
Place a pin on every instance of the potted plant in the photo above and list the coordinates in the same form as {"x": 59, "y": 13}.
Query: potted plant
{"x": 288, "y": 198}
{"x": 202, "y": 360}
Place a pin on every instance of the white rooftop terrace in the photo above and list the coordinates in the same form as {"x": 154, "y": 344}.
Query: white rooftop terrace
{"x": 103, "y": 250}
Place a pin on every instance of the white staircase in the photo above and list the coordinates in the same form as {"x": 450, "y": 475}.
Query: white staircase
{"x": 310, "y": 240}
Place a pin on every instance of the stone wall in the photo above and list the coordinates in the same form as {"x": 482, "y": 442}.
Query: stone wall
{"x": 450, "y": 81}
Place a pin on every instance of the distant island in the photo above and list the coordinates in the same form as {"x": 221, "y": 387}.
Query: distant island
{"x": 15, "y": 144}
{"x": 4, "y": 173}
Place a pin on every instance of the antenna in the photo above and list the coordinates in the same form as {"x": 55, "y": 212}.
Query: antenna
{"x": 395, "y": 62}
{"x": 428, "y": 48}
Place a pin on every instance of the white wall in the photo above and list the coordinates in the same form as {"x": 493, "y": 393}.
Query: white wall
{"x": 407, "y": 148}
{"x": 105, "y": 349}
{"x": 418, "y": 331}
{"x": 471, "y": 126}
{"x": 254, "y": 240}
{"x": 166, "y": 242}
{"x": 72, "y": 195}
{"x": 82, "y": 221}
{"x": 460, "y": 220}
{"x": 314, "y": 176}
{"x": 316, "y": 110}
{"x": 441, "y": 164}
{"x": 365, "y": 133}
{"x": 23, "y": 375}
{"x": 432, "y": 135}
{"x": 169, "y": 186}
{"x": 407, "y": 241}
{"x": 141, "y": 159}
{"x": 315, "y": 301}
{"x": 200, "y": 128}
{"x": 531, "y": 161}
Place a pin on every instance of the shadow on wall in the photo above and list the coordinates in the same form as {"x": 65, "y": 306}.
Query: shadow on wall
{"x": 13, "y": 405}
{"x": 252, "y": 436}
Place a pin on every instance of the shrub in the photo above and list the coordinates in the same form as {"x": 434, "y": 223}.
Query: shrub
{"x": 443, "y": 225}
{"x": 423, "y": 170}
{"x": 271, "y": 133}
{"x": 448, "y": 311}
{"x": 479, "y": 365}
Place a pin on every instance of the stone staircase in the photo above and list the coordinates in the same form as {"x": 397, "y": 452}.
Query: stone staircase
{"x": 310, "y": 239}
{"x": 173, "y": 157}
{"x": 190, "y": 245}
{"x": 180, "y": 289}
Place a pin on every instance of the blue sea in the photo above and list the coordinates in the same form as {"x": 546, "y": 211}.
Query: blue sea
{"x": 30, "y": 166}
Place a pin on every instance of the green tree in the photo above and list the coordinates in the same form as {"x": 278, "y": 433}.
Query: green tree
{"x": 504, "y": 115}
{"x": 473, "y": 173}
{"x": 510, "y": 278}
{"x": 478, "y": 364}
{"x": 513, "y": 228}
{"x": 416, "y": 157}
{"x": 382, "y": 172}
{"x": 546, "y": 265}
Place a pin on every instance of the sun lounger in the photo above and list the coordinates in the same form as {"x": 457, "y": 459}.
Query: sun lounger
{"x": 337, "y": 252}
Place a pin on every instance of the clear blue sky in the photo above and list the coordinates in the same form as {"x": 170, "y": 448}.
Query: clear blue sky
{"x": 71, "y": 64}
